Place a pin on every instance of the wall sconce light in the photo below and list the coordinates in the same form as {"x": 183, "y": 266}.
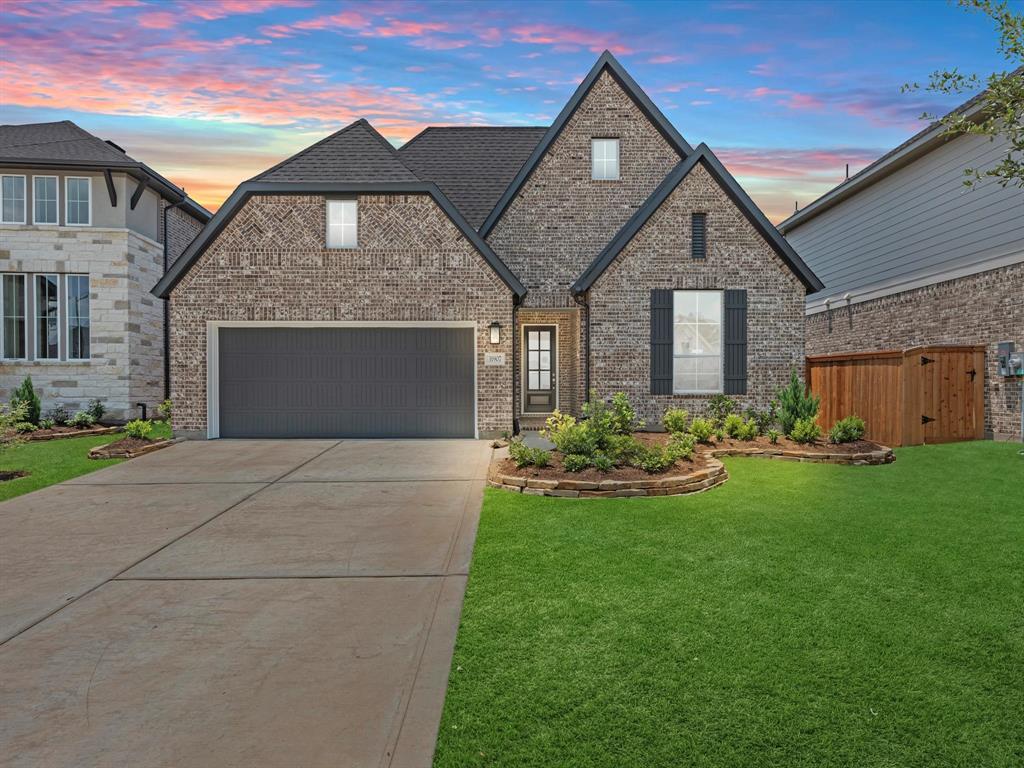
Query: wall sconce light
{"x": 495, "y": 332}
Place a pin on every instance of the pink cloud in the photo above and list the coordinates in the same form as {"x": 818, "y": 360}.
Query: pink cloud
{"x": 158, "y": 20}
{"x": 397, "y": 28}
{"x": 567, "y": 38}
{"x": 211, "y": 11}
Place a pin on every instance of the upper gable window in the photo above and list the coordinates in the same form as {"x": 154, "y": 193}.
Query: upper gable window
{"x": 604, "y": 159}
{"x": 342, "y": 219}
{"x": 78, "y": 194}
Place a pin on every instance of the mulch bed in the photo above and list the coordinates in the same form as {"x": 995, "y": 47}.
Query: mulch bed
{"x": 11, "y": 475}
{"x": 785, "y": 444}
{"x": 555, "y": 471}
{"x": 127, "y": 448}
{"x": 60, "y": 432}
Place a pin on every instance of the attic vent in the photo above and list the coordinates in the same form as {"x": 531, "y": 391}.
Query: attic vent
{"x": 698, "y": 240}
{"x": 115, "y": 146}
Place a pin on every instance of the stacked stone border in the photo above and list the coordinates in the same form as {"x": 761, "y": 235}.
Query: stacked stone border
{"x": 881, "y": 455}
{"x": 101, "y": 452}
{"x": 91, "y": 432}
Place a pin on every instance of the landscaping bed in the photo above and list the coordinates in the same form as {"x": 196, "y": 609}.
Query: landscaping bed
{"x": 127, "y": 448}
{"x": 58, "y": 432}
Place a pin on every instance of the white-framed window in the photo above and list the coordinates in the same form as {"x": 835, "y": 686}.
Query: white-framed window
{"x": 45, "y": 200}
{"x": 47, "y": 325}
{"x": 604, "y": 159}
{"x": 13, "y": 319}
{"x": 697, "y": 342}
{"x": 78, "y": 195}
{"x": 77, "y": 313}
{"x": 12, "y": 199}
{"x": 342, "y": 224}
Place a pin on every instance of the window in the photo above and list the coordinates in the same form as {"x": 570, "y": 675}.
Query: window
{"x": 12, "y": 200}
{"x": 698, "y": 236}
{"x": 46, "y": 331}
{"x": 79, "y": 200}
{"x": 604, "y": 159}
{"x": 12, "y": 312}
{"x": 44, "y": 199}
{"x": 342, "y": 217}
{"x": 697, "y": 342}
{"x": 77, "y": 312}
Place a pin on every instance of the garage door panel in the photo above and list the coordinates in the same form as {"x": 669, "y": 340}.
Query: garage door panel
{"x": 346, "y": 382}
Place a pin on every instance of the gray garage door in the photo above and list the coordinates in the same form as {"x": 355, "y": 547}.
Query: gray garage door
{"x": 346, "y": 382}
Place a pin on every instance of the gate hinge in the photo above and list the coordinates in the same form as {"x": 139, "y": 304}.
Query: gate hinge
{"x": 926, "y": 419}
{"x": 926, "y": 360}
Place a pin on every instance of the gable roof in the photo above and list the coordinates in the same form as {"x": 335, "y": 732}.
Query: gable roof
{"x": 605, "y": 62}
{"x": 66, "y": 145}
{"x": 472, "y": 165}
{"x": 261, "y": 187}
{"x": 702, "y": 154}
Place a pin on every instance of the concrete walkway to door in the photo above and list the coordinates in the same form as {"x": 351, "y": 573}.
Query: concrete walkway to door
{"x": 238, "y": 603}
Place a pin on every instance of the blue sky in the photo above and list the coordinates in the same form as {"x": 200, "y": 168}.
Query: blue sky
{"x": 785, "y": 92}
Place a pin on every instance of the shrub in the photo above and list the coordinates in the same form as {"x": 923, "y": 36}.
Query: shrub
{"x": 603, "y": 462}
{"x": 733, "y": 424}
{"x": 96, "y": 409}
{"x": 575, "y": 462}
{"x": 847, "y": 430}
{"x": 46, "y": 423}
{"x": 59, "y": 414}
{"x": 138, "y": 428}
{"x": 570, "y": 436}
{"x": 773, "y": 436}
{"x": 653, "y": 459}
{"x": 765, "y": 419}
{"x": 24, "y": 427}
{"x": 621, "y": 449}
{"x": 26, "y": 394}
{"x": 605, "y": 421}
{"x": 82, "y": 420}
{"x": 796, "y": 403}
{"x": 720, "y": 435}
{"x": 720, "y": 406}
{"x": 623, "y": 416}
{"x": 10, "y": 417}
{"x": 523, "y": 455}
{"x": 806, "y": 431}
{"x": 702, "y": 429}
{"x": 167, "y": 407}
{"x": 675, "y": 420}
{"x": 681, "y": 445}
{"x": 749, "y": 430}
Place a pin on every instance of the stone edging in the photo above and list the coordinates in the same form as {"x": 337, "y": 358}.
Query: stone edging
{"x": 96, "y": 453}
{"x": 66, "y": 435}
{"x": 883, "y": 455}
{"x": 676, "y": 485}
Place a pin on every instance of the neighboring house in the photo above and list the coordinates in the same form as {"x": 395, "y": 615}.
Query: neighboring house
{"x": 911, "y": 256}
{"x": 82, "y": 242}
{"x": 481, "y": 277}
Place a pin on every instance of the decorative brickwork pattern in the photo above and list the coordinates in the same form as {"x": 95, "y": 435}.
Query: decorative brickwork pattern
{"x": 561, "y": 218}
{"x": 985, "y": 308}
{"x": 659, "y": 257}
{"x": 270, "y": 264}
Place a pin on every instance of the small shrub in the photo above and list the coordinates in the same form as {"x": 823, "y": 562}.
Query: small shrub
{"x": 59, "y": 415}
{"x": 806, "y": 431}
{"x": 166, "y": 408}
{"x": 675, "y": 420}
{"x": 603, "y": 462}
{"x": 10, "y": 417}
{"x": 46, "y": 423}
{"x": 733, "y": 424}
{"x": 720, "y": 435}
{"x": 654, "y": 459}
{"x": 96, "y": 409}
{"x": 24, "y": 427}
{"x": 720, "y": 406}
{"x": 847, "y": 430}
{"x": 138, "y": 428}
{"x": 539, "y": 457}
{"x": 796, "y": 403}
{"x": 575, "y": 462}
{"x": 82, "y": 420}
{"x": 765, "y": 419}
{"x": 702, "y": 429}
{"x": 622, "y": 415}
{"x": 773, "y": 436}
{"x": 749, "y": 430}
{"x": 569, "y": 435}
{"x": 621, "y": 449}
{"x": 26, "y": 393}
{"x": 525, "y": 456}
{"x": 681, "y": 445}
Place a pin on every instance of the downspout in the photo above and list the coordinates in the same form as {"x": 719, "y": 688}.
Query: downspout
{"x": 167, "y": 309}
{"x": 583, "y": 300}
{"x": 514, "y": 367}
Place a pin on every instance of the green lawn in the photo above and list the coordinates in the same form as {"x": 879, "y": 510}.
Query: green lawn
{"x": 53, "y": 461}
{"x": 800, "y": 615}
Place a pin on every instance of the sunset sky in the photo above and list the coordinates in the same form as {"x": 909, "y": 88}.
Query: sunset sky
{"x": 210, "y": 92}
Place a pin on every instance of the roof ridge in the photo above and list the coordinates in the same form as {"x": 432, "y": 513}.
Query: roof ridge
{"x": 308, "y": 149}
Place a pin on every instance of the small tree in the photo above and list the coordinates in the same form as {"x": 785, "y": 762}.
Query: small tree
{"x": 26, "y": 394}
{"x": 1002, "y": 111}
{"x": 796, "y": 404}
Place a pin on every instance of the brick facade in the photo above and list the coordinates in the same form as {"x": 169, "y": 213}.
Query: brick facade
{"x": 659, "y": 257}
{"x": 569, "y": 364}
{"x": 270, "y": 264}
{"x": 985, "y": 308}
{"x": 182, "y": 230}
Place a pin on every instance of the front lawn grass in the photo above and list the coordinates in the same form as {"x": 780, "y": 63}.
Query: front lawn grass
{"x": 800, "y": 615}
{"x": 54, "y": 461}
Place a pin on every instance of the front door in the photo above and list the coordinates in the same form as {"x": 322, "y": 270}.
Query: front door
{"x": 540, "y": 394}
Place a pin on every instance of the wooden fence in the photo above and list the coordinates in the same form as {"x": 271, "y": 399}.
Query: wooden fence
{"x": 932, "y": 394}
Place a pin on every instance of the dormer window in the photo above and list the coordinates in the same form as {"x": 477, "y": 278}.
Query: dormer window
{"x": 342, "y": 229}
{"x": 604, "y": 159}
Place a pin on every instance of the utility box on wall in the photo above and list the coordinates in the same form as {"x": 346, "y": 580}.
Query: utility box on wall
{"x": 1011, "y": 362}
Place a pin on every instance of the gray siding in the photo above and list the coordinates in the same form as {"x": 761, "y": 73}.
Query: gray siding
{"x": 917, "y": 221}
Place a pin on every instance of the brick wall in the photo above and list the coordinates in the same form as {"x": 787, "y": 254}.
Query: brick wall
{"x": 561, "y": 218}
{"x": 659, "y": 257}
{"x": 980, "y": 309}
{"x": 182, "y": 229}
{"x": 270, "y": 264}
{"x": 567, "y": 349}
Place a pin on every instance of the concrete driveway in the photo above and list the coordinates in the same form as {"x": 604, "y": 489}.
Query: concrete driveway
{"x": 238, "y": 603}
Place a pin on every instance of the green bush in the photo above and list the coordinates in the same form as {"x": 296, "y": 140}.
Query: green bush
{"x": 765, "y": 419}
{"x": 806, "y": 431}
{"x": 748, "y": 430}
{"x": 571, "y": 436}
{"x": 82, "y": 420}
{"x": 166, "y": 408}
{"x": 605, "y": 420}
{"x": 96, "y": 409}
{"x": 26, "y": 394}
{"x": 46, "y": 423}
{"x": 720, "y": 406}
{"x": 621, "y": 448}
{"x": 138, "y": 428}
{"x": 623, "y": 415}
{"x": 10, "y": 417}
{"x": 773, "y": 436}
{"x": 796, "y": 403}
{"x": 675, "y": 420}
{"x": 847, "y": 430}
{"x": 24, "y": 427}
{"x": 733, "y": 424}
{"x": 525, "y": 456}
{"x": 702, "y": 429}
{"x": 681, "y": 445}
{"x": 59, "y": 414}
{"x": 603, "y": 462}
{"x": 654, "y": 458}
{"x": 720, "y": 434}
{"x": 575, "y": 462}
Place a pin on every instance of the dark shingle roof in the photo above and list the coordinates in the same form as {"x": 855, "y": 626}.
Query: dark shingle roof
{"x": 356, "y": 153}
{"x": 472, "y": 165}
{"x": 57, "y": 142}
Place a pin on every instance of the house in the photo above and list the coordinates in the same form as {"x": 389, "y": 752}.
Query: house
{"x": 911, "y": 256}
{"x": 85, "y": 232}
{"x": 479, "y": 278}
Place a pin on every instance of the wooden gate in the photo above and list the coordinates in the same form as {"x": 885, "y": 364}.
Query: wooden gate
{"x": 921, "y": 395}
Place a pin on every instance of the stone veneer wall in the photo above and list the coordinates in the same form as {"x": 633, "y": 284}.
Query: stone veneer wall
{"x": 567, "y": 356}
{"x": 562, "y": 218}
{"x": 659, "y": 257}
{"x": 270, "y": 264}
{"x": 985, "y": 308}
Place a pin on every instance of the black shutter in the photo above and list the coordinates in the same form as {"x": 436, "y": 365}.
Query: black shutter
{"x": 661, "y": 341}
{"x": 735, "y": 373}
{"x": 698, "y": 236}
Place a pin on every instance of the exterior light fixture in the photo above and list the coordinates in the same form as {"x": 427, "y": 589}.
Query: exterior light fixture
{"x": 495, "y": 332}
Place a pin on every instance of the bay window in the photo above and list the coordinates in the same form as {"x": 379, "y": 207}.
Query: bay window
{"x": 697, "y": 342}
